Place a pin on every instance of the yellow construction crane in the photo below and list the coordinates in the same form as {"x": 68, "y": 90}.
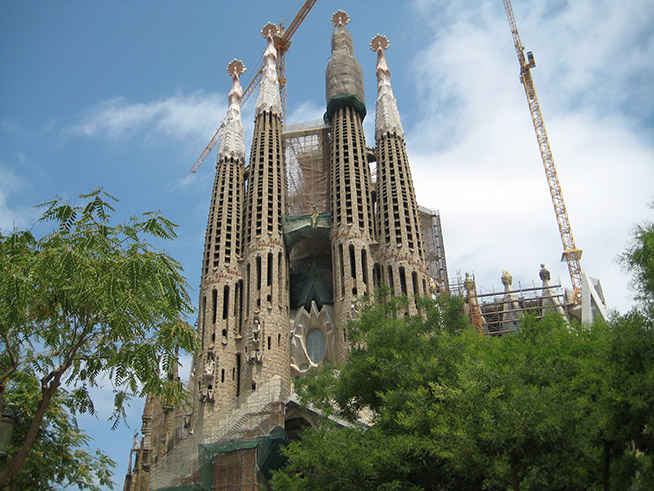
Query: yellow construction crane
{"x": 282, "y": 43}
{"x": 571, "y": 254}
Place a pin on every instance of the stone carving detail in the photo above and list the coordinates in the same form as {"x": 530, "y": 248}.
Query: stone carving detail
{"x": 544, "y": 274}
{"x": 269, "y": 99}
{"x": 550, "y": 302}
{"x": 255, "y": 356}
{"x": 433, "y": 289}
{"x": 231, "y": 143}
{"x": 512, "y": 313}
{"x": 207, "y": 395}
{"x": 469, "y": 284}
{"x": 302, "y": 324}
{"x": 209, "y": 365}
{"x": 253, "y": 351}
{"x": 387, "y": 117}
{"x": 507, "y": 280}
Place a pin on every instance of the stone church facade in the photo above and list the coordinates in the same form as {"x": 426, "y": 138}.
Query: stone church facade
{"x": 294, "y": 237}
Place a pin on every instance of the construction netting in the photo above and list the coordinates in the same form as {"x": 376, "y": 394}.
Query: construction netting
{"x": 306, "y": 147}
{"x": 268, "y": 454}
{"x": 252, "y": 416}
{"x": 344, "y": 77}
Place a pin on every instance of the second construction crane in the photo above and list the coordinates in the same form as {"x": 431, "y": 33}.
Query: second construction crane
{"x": 571, "y": 254}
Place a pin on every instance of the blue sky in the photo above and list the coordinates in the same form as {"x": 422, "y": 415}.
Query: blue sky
{"x": 125, "y": 95}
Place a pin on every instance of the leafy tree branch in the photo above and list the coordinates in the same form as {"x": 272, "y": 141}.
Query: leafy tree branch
{"x": 91, "y": 299}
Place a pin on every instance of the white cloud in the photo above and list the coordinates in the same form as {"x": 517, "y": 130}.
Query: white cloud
{"x": 305, "y": 111}
{"x": 180, "y": 117}
{"x": 187, "y": 119}
{"x": 474, "y": 153}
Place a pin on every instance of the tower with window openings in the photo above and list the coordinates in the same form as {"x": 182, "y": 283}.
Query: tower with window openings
{"x": 293, "y": 239}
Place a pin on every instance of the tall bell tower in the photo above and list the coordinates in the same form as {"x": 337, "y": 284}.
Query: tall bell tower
{"x": 400, "y": 253}
{"x": 221, "y": 286}
{"x": 265, "y": 267}
{"x": 351, "y": 201}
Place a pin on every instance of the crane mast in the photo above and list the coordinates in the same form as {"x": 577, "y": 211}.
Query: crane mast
{"x": 571, "y": 254}
{"x": 283, "y": 43}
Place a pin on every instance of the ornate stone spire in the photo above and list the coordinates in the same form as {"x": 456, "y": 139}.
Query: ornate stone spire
{"x": 269, "y": 98}
{"x": 387, "y": 117}
{"x": 231, "y": 143}
{"x": 343, "y": 77}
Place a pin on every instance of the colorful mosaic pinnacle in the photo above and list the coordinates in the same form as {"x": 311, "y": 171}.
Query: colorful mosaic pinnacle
{"x": 340, "y": 18}
{"x": 380, "y": 42}
{"x": 269, "y": 30}
{"x": 236, "y": 68}
{"x": 269, "y": 98}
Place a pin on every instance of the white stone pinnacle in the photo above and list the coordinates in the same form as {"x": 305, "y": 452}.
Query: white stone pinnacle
{"x": 232, "y": 143}
{"x": 387, "y": 117}
{"x": 269, "y": 98}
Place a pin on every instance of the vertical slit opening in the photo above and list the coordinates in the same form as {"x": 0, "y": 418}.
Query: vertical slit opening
{"x": 214, "y": 301}
{"x": 258, "y": 273}
{"x": 225, "y": 302}
{"x": 403, "y": 280}
{"x": 238, "y": 374}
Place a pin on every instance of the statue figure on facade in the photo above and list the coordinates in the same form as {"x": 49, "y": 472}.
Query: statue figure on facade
{"x": 255, "y": 337}
{"x": 544, "y": 273}
{"x": 511, "y": 310}
{"x": 253, "y": 354}
{"x": 209, "y": 364}
{"x": 469, "y": 284}
{"x": 507, "y": 280}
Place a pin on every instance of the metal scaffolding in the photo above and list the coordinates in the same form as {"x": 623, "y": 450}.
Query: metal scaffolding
{"x": 306, "y": 147}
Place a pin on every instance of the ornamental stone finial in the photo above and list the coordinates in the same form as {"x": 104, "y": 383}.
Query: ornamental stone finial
{"x": 340, "y": 18}
{"x": 269, "y": 98}
{"x": 544, "y": 273}
{"x": 231, "y": 143}
{"x": 387, "y": 117}
{"x": 379, "y": 42}
{"x": 235, "y": 69}
{"x": 469, "y": 283}
{"x": 507, "y": 279}
{"x": 343, "y": 77}
{"x": 269, "y": 30}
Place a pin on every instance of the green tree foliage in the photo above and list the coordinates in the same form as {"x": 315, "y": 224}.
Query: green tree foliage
{"x": 60, "y": 455}
{"x": 639, "y": 261}
{"x": 91, "y": 299}
{"x": 551, "y": 407}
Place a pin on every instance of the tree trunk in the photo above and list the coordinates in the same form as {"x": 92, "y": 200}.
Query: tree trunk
{"x": 514, "y": 475}
{"x": 607, "y": 461}
{"x": 19, "y": 458}
{"x": 54, "y": 381}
